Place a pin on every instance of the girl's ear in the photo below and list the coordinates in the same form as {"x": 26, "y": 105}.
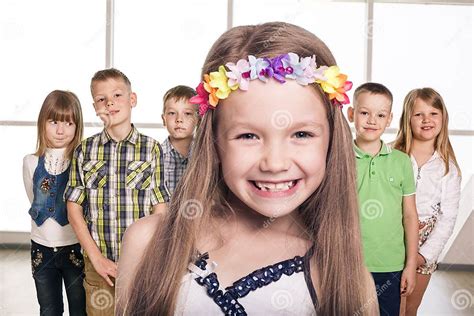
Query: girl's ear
{"x": 350, "y": 114}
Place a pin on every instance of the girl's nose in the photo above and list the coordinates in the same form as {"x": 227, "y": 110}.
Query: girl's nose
{"x": 275, "y": 159}
{"x": 60, "y": 128}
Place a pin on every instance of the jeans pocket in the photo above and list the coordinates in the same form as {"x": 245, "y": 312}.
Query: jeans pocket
{"x": 37, "y": 258}
{"x": 75, "y": 257}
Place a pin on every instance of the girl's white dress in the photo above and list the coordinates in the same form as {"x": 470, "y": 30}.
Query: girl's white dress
{"x": 437, "y": 203}
{"x": 284, "y": 288}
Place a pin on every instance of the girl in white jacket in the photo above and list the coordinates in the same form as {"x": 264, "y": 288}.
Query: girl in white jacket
{"x": 423, "y": 135}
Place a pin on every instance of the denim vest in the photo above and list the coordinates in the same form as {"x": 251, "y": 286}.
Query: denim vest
{"x": 48, "y": 193}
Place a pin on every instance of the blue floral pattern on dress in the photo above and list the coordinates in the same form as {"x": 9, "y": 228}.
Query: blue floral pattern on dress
{"x": 228, "y": 300}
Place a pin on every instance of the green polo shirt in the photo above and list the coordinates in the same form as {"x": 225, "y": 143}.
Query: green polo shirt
{"x": 382, "y": 182}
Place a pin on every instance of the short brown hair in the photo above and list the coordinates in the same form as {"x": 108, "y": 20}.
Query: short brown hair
{"x": 103, "y": 75}
{"x": 178, "y": 93}
{"x": 373, "y": 88}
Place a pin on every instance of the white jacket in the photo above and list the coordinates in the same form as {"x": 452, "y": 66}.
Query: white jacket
{"x": 435, "y": 189}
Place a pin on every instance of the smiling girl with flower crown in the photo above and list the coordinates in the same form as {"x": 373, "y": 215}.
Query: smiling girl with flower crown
{"x": 265, "y": 220}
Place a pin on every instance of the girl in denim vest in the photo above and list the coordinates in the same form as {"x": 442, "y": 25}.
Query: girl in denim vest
{"x": 55, "y": 250}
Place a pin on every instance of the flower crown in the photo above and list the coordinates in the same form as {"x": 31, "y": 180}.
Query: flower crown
{"x": 219, "y": 84}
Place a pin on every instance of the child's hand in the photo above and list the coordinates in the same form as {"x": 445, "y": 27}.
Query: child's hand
{"x": 105, "y": 268}
{"x": 408, "y": 280}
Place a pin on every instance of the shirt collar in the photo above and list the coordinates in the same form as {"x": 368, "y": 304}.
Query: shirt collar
{"x": 384, "y": 150}
{"x": 169, "y": 148}
{"x": 132, "y": 137}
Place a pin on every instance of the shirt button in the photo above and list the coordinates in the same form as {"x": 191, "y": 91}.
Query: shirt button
{"x": 51, "y": 194}
{"x": 50, "y": 209}
{"x": 373, "y": 163}
{"x": 373, "y": 172}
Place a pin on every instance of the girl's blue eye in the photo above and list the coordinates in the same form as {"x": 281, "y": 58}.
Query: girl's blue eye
{"x": 247, "y": 136}
{"x": 302, "y": 134}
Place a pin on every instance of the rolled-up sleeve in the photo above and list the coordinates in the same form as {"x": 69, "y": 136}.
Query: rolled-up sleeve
{"x": 75, "y": 190}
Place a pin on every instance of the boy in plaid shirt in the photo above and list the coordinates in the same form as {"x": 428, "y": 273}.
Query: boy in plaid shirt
{"x": 115, "y": 179}
{"x": 180, "y": 119}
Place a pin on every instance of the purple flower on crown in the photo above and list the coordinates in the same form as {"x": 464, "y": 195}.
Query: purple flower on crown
{"x": 279, "y": 69}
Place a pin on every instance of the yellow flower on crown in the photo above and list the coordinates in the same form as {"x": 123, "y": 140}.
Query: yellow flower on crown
{"x": 336, "y": 84}
{"x": 213, "y": 99}
{"x": 219, "y": 80}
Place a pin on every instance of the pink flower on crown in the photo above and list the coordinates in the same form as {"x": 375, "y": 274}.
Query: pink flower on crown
{"x": 206, "y": 96}
{"x": 336, "y": 85}
{"x": 239, "y": 75}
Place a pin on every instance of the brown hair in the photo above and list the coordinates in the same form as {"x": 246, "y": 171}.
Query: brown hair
{"x": 404, "y": 140}
{"x": 110, "y": 73}
{"x": 373, "y": 88}
{"x": 178, "y": 93}
{"x": 63, "y": 106}
{"x": 330, "y": 214}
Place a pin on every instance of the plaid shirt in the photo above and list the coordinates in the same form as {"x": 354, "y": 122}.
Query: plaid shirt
{"x": 175, "y": 165}
{"x": 116, "y": 183}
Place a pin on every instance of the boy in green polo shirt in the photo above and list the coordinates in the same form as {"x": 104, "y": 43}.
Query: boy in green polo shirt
{"x": 389, "y": 222}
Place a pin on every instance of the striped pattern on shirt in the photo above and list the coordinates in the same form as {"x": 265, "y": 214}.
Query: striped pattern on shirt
{"x": 116, "y": 183}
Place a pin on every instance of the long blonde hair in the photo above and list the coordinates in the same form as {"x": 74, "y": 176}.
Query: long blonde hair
{"x": 59, "y": 105}
{"x": 330, "y": 214}
{"x": 404, "y": 140}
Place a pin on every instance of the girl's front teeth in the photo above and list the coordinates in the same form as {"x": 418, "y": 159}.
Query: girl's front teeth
{"x": 274, "y": 187}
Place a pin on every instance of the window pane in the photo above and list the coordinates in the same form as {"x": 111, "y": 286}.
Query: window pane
{"x": 340, "y": 25}
{"x": 158, "y": 50}
{"x": 432, "y": 47}
{"x": 48, "y": 45}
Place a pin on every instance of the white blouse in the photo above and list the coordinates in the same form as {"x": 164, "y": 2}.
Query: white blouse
{"x": 435, "y": 190}
{"x": 50, "y": 233}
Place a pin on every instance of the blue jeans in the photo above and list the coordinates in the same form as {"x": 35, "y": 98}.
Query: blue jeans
{"x": 50, "y": 267}
{"x": 387, "y": 285}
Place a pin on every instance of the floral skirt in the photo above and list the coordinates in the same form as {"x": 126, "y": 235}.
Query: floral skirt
{"x": 424, "y": 230}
